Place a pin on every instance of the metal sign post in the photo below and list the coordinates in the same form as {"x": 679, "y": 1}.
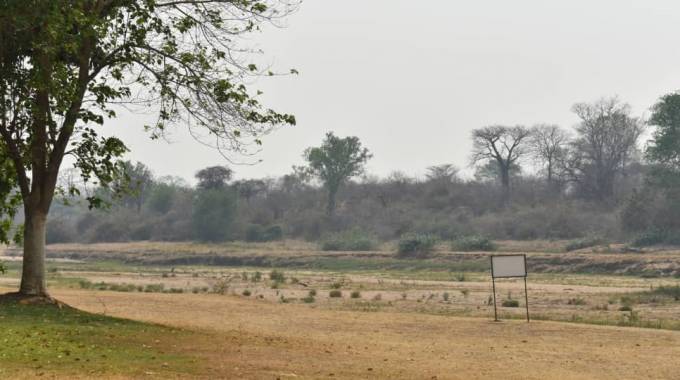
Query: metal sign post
{"x": 509, "y": 266}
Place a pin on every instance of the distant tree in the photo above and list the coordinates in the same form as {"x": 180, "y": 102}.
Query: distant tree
{"x": 133, "y": 184}
{"x": 664, "y": 149}
{"x": 446, "y": 173}
{"x": 489, "y": 172}
{"x": 161, "y": 197}
{"x": 214, "y": 210}
{"x": 214, "y": 177}
{"x": 247, "y": 189}
{"x": 335, "y": 162}
{"x": 503, "y": 145}
{"x": 549, "y": 145}
{"x": 605, "y": 144}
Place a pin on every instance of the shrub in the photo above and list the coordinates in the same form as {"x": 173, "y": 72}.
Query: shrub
{"x": 414, "y": 245}
{"x": 247, "y": 293}
{"x": 473, "y": 243}
{"x": 465, "y": 292}
{"x": 336, "y": 285}
{"x": 446, "y": 296}
{"x": 510, "y": 303}
{"x": 655, "y": 236}
{"x": 308, "y": 299}
{"x": 277, "y": 276}
{"x": 355, "y": 294}
{"x": 350, "y": 240}
{"x": 576, "y": 301}
{"x": 335, "y": 293}
{"x": 583, "y": 243}
{"x": 154, "y": 288}
{"x": 312, "y": 293}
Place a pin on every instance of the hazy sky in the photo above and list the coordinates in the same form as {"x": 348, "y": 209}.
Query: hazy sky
{"x": 413, "y": 78}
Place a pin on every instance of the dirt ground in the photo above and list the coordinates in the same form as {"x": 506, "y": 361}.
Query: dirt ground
{"x": 255, "y": 339}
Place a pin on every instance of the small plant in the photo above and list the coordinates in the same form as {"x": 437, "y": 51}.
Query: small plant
{"x": 335, "y": 293}
{"x": 275, "y": 285}
{"x": 578, "y": 301}
{"x": 220, "y": 286}
{"x": 154, "y": 288}
{"x": 312, "y": 293}
{"x": 446, "y": 296}
{"x": 465, "y": 292}
{"x": 461, "y": 277}
{"x": 294, "y": 280}
{"x": 246, "y": 293}
{"x": 626, "y": 308}
{"x": 473, "y": 243}
{"x": 256, "y": 277}
{"x": 308, "y": 299}
{"x": 355, "y": 294}
{"x": 510, "y": 303}
{"x": 377, "y": 297}
{"x": 414, "y": 245}
{"x": 403, "y": 296}
{"x": 244, "y": 276}
{"x": 277, "y": 276}
{"x": 336, "y": 285}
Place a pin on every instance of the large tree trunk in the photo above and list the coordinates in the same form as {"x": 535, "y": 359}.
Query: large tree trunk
{"x": 330, "y": 207}
{"x": 33, "y": 273}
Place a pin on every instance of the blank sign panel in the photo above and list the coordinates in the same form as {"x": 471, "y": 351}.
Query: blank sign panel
{"x": 508, "y": 266}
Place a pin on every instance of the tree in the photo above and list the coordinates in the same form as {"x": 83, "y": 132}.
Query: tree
{"x": 445, "y": 173}
{"x": 213, "y": 212}
{"x": 214, "y": 177}
{"x": 606, "y": 141}
{"x": 335, "y": 162}
{"x": 247, "y": 189}
{"x": 549, "y": 145}
{"x": 64, "y": 63}
{"x": 503, "y": 145}
{"x": 133, "y": 185}
{"x": 664, "y": 149}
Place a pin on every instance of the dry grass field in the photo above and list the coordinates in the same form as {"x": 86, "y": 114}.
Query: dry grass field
{"x": 286, "y": 310}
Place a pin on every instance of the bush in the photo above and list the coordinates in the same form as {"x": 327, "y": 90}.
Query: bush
{"x": 246, "y": 293}
{"x": 510, "y": 303}
{"x": 473, "y": 243}
{"x": 213, "y": 212}
{"x": 350, "y": 240}
{"x": 655, "y": 237}
{"x": 277, "y": 276}
{"x": 583, "y": 243}
{"x": 335, "y": 293}
{"x": 413, "y": 245}
{"x": 355, "y": 294}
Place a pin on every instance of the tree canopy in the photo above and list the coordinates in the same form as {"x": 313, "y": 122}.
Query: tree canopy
{"x": 336, "y": 161}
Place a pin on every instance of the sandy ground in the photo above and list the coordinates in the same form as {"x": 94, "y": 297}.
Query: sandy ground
{"x": 253, "y": 339}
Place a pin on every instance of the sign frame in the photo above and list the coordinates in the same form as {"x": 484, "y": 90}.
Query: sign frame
{"x": 494, "y": 277}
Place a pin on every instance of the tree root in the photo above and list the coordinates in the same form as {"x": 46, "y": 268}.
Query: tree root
{"x": 23, "y": 299}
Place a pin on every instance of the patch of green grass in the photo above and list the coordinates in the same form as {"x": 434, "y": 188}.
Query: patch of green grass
{"x": 45, "y": 340}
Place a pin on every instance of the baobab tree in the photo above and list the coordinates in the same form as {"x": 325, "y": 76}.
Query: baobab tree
{"x": 504, "y": 146}
{"x": 64, "y": 64}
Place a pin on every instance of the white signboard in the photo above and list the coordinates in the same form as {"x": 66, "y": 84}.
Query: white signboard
{"x": 508, "y": 266}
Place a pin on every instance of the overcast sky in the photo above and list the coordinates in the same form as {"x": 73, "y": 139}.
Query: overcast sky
{"x": 413, "y": 78}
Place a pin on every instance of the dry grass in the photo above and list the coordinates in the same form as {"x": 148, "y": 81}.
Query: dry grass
{"x": 266, "y": 340}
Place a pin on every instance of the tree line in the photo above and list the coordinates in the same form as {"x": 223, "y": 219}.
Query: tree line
{"x": 544, "y": 181}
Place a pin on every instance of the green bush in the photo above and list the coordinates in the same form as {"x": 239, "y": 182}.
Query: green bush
{"x": 655, "y": 236}
{"x": 473, "y": 243}
{"x": 277, "y": 276}
{"x": 583, "y": 243}
{"x": 246, "y": 293}
{"x": 355, "y": 294}
{"x": 414, "y": 245}
{"x": 335, "y": 293}
{"x": 510, "y": 303}
{"x": 350, "y": 240}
